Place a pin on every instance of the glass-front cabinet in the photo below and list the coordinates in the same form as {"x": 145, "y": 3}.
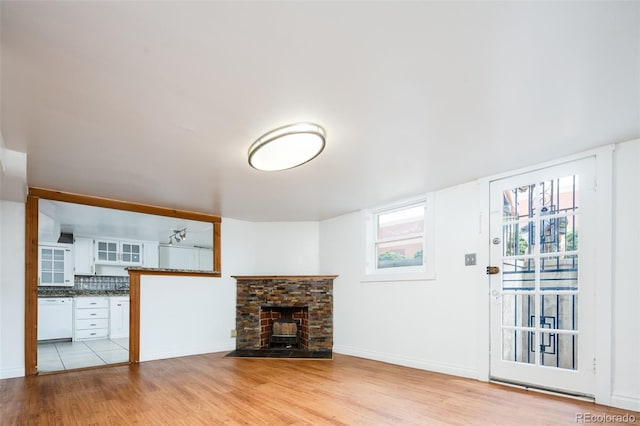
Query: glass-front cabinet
{"x": 118, "y": 252}
{"x": 107, "y": 251}
{"x": 54, "y": 266}
{"x": 131, "y": 252}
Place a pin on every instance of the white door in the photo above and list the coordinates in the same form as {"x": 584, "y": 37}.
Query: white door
{"x": 542, "y": 298}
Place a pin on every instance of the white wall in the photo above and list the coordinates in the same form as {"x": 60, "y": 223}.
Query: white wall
{"x": 182, "y": 316}
{"x": 287, "y": 248}
{"x": 425, "y": 324}
{"x": 12, "y": 222}
{"x": 442, "y": 325}
{"x": 626, "y": 284}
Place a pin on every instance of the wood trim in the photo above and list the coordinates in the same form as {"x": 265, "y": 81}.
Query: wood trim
{"x": 120, "y": 205}
{"x": 172, "y": 272}
{"x": 134, "y": 317}
{"x": 31, "y": 287}
{"x": 217, "y": 247}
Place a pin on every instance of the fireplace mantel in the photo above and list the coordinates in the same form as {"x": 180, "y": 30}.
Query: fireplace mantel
{"x": 312, "y": 294}
{"x": 283, "y": 277}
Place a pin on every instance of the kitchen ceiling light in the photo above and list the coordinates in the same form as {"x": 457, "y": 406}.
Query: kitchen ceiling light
{"x": 178, "y": 235}
{"x": 287, "y": 147}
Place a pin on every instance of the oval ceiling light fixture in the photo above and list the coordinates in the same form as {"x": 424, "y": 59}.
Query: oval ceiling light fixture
{"x": 287, "y": 147}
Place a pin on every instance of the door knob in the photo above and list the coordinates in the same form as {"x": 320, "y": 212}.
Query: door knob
{"x": 492, "y": 270}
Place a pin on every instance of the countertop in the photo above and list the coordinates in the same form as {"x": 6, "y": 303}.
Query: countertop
{"x": 81, "y": 293}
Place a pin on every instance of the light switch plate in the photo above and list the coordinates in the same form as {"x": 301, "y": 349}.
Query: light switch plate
{"x": 234, "y": 333}
{"x": 469, "y": 259}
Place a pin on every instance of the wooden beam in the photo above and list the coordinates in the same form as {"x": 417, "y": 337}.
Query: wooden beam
{"x": 31, "y": 287}
{"x": 134, "y": 316}
{"x": 120, "y": 205}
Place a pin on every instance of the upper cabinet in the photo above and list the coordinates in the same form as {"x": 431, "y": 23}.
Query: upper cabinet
{"x": 118, "y": 252}
{"x": 83, "y": 256}
{"x": 150, "y": 254}
{"x": 186, "y": 258}
{"x": 55, "y": 265}
{"x": 100, "y": 256}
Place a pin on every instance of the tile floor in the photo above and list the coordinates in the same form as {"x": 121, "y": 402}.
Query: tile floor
{"x": 88, "y": 353}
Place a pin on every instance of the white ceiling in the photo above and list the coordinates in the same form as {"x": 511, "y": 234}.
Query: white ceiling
{"x": 158, "y": 102}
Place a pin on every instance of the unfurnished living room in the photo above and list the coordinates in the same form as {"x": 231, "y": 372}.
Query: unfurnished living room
{"x": 319, "y": 212}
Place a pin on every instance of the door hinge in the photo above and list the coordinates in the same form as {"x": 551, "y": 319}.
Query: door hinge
{"x": 594, "y": 365}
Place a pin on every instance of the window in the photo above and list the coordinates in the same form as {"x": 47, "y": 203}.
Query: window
{"x": 399, "y": 241}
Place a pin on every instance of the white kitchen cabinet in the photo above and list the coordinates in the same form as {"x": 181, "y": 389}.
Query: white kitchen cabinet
{"x": 91, "y": 318}
{"x": 116, "y": 252}
{"x": 118, "y": 317}
{"x": 83, "y": 256}
{"x": 178, "y": 257}
{"x": 190, "y": 258}
{"x": 55, "y": 265}
{"x": 150, "y": 254}
{"x": 206, "y": 259}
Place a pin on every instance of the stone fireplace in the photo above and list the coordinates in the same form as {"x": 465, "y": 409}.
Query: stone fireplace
{"x": 305, "y": 300}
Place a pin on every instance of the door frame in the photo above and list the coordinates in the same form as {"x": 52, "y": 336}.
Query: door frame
{"x": 603, "y": 231}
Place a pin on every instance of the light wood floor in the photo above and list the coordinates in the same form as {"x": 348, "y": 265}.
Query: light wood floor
{"x": 210, "y": 389}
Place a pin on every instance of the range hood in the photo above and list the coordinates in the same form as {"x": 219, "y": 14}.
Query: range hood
{"x": 65, "y": 238}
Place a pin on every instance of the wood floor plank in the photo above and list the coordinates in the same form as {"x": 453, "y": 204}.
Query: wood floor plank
{"x": 213, "y": 390}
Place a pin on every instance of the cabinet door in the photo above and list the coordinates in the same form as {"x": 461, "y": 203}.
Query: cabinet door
{"x": 131, "y": 252}
{"x": 54, "y": 266}
{"x": 106, "y": 251}
{"x": 83, "y": 256}
{"x": 150, "y": 255}
{"x": 119, "y": 317}
{"x": 206, "y": 259}
{"x": 172, "y": 257}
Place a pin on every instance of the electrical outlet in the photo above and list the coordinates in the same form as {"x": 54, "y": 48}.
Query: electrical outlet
{"x": 234, "y": 333}
{"x": 469, "y": 259}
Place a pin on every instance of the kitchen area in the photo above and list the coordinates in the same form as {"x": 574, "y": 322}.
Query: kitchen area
{"x": 83, "y": 282}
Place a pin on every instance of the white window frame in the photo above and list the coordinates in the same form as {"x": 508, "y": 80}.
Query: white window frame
{"x": 426, "y": 271}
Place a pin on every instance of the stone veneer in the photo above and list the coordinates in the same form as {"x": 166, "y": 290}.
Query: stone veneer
{"x": 315, "y": 292}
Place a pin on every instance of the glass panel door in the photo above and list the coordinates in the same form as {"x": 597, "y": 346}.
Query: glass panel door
{"x": 537, "y": 333}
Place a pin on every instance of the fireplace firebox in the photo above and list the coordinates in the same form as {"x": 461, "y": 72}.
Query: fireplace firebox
{"x": 284, "y": 327}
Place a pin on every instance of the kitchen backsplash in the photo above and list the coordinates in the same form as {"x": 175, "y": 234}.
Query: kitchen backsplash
{"x": 94, "y": 282}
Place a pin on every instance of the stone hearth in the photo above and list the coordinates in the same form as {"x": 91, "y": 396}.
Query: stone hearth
{"x": 310, "y": 296}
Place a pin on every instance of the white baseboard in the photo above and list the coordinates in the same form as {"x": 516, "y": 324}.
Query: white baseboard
{"x": 196, "y": 350}
{"x": 438, "y": 367}
{"x": 625, "y": 402}
{"x": 10, "y": 373}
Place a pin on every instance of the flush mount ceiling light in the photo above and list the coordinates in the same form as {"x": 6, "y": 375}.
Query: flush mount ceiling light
{"x": 287, "y": 147}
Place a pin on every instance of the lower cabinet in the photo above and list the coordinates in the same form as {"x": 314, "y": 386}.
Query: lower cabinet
{"x": 118, "y": 317}
{"x": 91, "y": 318}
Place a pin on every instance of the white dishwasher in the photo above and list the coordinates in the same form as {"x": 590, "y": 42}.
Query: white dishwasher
{"x": 55, "y": 318}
